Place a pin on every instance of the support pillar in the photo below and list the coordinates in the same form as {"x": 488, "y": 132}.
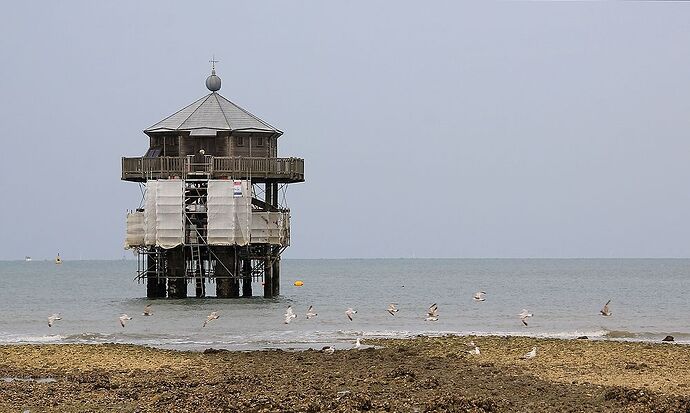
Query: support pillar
{"x": 276, "y": 276}
{"x": 246, "y": 278}
{"x": 200, "y": 281}
{"x": 177, "y": 283}
{"x": 225, "y": 268}
{"x": 268, "y": 279}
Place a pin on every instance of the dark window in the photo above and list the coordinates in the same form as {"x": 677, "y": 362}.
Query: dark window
{"x": 239, "y": 140}
{"x": 260, "y": 141}
{"x": 153, "y": 153}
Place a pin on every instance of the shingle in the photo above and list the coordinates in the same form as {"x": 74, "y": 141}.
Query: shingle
{"x": 212, "y": 112}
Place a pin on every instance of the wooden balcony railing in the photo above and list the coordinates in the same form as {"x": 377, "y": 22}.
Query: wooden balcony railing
{"x": 258, "y": 169}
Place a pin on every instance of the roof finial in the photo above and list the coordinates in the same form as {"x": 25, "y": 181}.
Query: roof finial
{"x": 213, "y": 62}
{"x": 213, "y": 81}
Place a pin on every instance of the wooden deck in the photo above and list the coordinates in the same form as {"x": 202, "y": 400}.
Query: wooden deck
{"x": 285, "y": 170}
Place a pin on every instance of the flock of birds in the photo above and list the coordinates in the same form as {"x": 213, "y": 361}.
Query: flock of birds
{"x": 431, "y": 315}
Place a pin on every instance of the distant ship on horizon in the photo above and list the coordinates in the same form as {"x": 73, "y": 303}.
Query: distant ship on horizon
{"x": 27, "y": 258}
{"x": 58, "y": 260}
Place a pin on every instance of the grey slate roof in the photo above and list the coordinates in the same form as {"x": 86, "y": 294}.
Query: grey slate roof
{"x": 210, "y": 114}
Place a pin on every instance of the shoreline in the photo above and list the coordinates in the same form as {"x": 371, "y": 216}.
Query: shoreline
{"x": 344, "y": 342}
{"x": 422, "y": 373}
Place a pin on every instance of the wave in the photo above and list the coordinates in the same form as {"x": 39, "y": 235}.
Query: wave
{"x": 24, "y": 339}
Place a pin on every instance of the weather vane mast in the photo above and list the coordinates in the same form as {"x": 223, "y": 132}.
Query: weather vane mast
{"x": 213, "y": 62}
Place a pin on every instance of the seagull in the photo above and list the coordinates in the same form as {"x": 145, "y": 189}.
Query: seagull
{"x": 605, "y": 311}
{"x": 147, "y": 310}
{"x": 474, "y": 351}
{"x": 524, "y": 315}
{"x": 432, "y": 313}
{"x": 310, "y": 312}
{"x": 392, "y": 309}
{"x": 350, "y": 312}
{"x": 328, "y": 350}
{"x": 123, "y": 319}
{"x": 213, "y": 316}
{"x": 479, "y": 296}
{"x": 532, "y": 354}
{"x": 53, "y": 318}
{"x": 289, "y": 315}
{"x": 357, "y": 343}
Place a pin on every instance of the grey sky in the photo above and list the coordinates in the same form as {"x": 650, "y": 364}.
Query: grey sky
{"x": 428, "y": 129}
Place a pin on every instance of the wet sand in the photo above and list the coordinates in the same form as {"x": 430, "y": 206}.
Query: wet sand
{"x": 422, "y": 374}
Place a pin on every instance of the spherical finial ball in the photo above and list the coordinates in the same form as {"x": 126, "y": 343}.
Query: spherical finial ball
{"x": 213, "y": 83}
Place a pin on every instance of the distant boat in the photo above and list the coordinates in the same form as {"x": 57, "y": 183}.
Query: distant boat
{"x": 27, "y": 258}
{"x": 58, "y": 260}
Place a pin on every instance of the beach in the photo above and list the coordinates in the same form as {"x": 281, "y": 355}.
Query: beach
{"x": 423, "y": 374}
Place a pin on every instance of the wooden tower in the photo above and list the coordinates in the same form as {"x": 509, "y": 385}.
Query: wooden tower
{"x": 213, "y": 209}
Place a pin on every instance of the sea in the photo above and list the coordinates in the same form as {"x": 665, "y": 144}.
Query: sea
{"x": 649, "y": 300}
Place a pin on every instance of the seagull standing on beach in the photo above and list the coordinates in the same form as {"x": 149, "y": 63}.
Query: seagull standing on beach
{"x": 328, "y": 350}
{"x": 289, "y": 315}
{"x": 605, "y": 311}
{"x": 311, "y": 313}
{"x": 53, "y": 318}
{"x": 432, "y": 313}
{"x": 213, "y": 316}
{"x": 147, "y": 311}
{"x": 475, "y": 351}
{"x": 479, "y": 296}
{"x": 392, "y": 309}
{"x": 532, "y": 354}
{"x": 524, "y": 315}
{"x": 350, "y": 312}
{"x": 123, "y": 319}
{"x": 358, "y": 344}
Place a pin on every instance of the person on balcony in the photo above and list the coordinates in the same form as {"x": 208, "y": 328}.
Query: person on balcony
{"x": 199, "y": 161}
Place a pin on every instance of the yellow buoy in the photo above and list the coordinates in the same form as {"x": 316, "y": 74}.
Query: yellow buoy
{"x": 298, "y": 283}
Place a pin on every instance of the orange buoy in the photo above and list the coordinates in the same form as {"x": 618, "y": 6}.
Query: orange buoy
{"x": 298, "y": 283}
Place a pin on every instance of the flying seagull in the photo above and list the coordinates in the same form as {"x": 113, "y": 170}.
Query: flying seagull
{"x": 311, "y": 313}
{"x": 289, "y": 315}
{"x": 213, "y": 316}
{"x": 53, "y": 318}
{"x": 479, "y": 296}
{"x": 147, "y": 310}
{"x": 123, "y": 319}
{"x": 350, "y": 312}
{"x": 432, "y": 313}
{"x": 392, "y": 309}
{"x": 524, "y": 315}
{"x": 605, "y": 311}
{"x": 532, "y": 354}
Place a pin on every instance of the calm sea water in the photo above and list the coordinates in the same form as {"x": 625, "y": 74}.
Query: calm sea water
{"x": 649, "y": 301}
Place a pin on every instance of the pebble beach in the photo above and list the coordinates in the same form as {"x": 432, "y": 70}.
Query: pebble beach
{"x": 422, "y": 374}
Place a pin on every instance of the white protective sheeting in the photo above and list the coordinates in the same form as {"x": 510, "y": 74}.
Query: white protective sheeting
{"x": 228, "y": 213}
{"x": 285, "y": 229}
{"x": 150, "y": 213}
{"x": 268, "y": 228}
{"x": 135, "y": 230}
{"x": 169, "y": 213}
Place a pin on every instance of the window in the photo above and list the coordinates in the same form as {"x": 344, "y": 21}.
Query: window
{"x": 239, "y": 140}
{"x": 260, "y": 141}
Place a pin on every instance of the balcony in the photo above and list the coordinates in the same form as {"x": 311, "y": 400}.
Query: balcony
{"x": 284, "y": 170}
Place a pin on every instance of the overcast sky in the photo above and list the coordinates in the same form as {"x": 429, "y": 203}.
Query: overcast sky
{"x": 428, "y": 129}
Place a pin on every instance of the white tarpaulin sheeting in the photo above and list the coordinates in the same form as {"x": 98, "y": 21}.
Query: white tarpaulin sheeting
{"x": 169, "y": 213}
{"x": 229, "y": 212}
{"x": 267, "y": 228}
{"x": 135, "y": 230}
{"x": 150, "y": 213}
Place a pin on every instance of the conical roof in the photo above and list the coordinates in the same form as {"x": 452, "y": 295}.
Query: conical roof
{"x": 210, "y": 114}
